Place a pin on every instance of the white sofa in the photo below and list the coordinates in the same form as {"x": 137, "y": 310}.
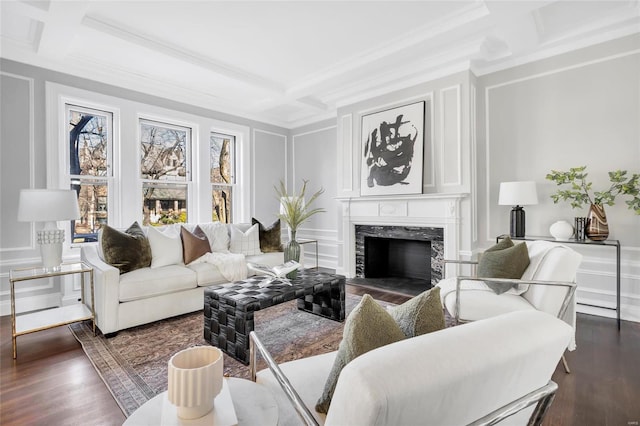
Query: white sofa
{"x": 453, "y": 376}
{"x": 150, "y": 294}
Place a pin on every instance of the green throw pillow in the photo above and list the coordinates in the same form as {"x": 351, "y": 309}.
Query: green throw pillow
{"x": 269, "y": 236}
{"x": 128, "y": 250}
{"x": 421, "y": 314}
{"x": 368, "y": 326}
{"x": 504, "y": 260}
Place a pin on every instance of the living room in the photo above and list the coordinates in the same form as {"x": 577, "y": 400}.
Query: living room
{"x": 510, "y": 91}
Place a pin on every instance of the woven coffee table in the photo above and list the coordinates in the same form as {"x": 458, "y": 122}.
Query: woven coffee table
{"x": 229, "y": 308}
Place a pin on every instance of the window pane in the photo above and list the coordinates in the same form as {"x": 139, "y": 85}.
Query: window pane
{"x": 221, "y": 203}
{"x": 163, "y": 152}
{"x": 92, "y": 201}
{"x": 88, "y": 144}
{"x": 164, "y": 204}
{"x": 221, "y": 154}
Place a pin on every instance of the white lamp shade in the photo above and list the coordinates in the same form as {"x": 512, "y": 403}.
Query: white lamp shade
{"x": 518, "y": 193}
{"x": 47, "y": 205}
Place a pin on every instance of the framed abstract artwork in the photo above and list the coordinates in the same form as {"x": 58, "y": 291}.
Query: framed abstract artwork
{"x": 392, "y": 151}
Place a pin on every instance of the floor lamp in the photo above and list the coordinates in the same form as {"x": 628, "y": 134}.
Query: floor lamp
{"x": 517, "y": 194}
{"x": 49, "y": 206}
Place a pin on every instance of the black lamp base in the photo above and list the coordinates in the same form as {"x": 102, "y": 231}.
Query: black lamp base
{"x": 517, "y": 222}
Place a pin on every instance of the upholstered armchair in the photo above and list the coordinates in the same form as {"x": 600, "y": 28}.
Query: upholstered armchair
{"x": 547, "y": 284}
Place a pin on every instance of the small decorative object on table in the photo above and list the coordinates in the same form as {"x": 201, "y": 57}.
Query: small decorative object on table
{"x": 581, "y": 224}
{"x": 294, "y": 210}
{"x": 195, "y": 379}
{"x": 597, "y": 228}
{"x": 561, "y": 230}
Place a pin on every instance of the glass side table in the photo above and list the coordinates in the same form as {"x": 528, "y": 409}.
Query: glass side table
{"x": 42, "y": 320}
{"x": 608, "y": 243}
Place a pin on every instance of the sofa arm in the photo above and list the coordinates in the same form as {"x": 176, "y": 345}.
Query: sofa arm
{"x": 106, "y": 283}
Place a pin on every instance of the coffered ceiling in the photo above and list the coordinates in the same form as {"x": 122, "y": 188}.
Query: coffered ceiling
{"x": 294, "y": 62}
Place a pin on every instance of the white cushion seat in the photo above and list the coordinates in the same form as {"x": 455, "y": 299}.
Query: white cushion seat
{"x": 147, "y": 282}
{"x": 480, "y": 304}
{"x": 206, "y": 273}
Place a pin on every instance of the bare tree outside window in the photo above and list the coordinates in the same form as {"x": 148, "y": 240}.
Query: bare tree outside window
{"x": 222, "y": 160}
{"x": 89, "y": 169}
{"x": 164, "y": 169}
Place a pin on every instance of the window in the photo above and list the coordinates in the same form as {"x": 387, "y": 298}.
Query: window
{"x": 222, "y": 161}
{"x": 90, "y": 155}
{"x": 165, "y": 165}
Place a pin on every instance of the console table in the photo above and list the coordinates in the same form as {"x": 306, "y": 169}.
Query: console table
{"x": 607, "y": 243}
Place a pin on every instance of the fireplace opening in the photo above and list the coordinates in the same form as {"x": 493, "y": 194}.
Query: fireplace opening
{"x": 397, "y": 258}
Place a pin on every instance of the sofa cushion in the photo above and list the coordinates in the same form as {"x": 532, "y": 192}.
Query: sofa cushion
{"x": 481, "y": 304}
{"x": 269, "y": 236}
{"x": 503, "y": 260}
{"x": 128, "y": 250}
{"x": 368, "y": 326}
{"x": 166, "y": 247}
{"x": 421, "y": 314}
{"x": 207, "y": 274}
{"x": 148, "y": 282}
{"x": 218, "y": 235}
{"x": 194, "y": 244}
{"x": 244, "y": 242}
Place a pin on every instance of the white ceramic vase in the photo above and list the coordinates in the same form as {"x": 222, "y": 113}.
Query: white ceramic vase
{"x": 561, "y": 230}
{"x": 195, "y": 379}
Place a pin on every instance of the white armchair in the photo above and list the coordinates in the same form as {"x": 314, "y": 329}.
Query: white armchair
{"x": 479, "y": 373}
{"x": 548, "y": 284}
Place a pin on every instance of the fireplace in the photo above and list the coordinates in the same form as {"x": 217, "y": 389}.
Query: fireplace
{"x": 410, "y": 253}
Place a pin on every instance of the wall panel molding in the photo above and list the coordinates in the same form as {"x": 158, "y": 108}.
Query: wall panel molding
{"x": 451, "y": 138}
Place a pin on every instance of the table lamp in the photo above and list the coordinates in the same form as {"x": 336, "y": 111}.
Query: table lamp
{"x": 49, "y": 206}
{"x": 517, "y": 194}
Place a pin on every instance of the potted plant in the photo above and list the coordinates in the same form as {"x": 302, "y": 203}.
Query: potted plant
{"x": 581, "y": 192}
{"x": 294, "y": 211}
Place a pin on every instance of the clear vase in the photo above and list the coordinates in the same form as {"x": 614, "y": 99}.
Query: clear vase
{"x": 292, "y": 252}
{"x": 597, "y": 228}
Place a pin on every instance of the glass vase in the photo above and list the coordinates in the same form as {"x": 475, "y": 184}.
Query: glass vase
{"x": 292, "y": 252}
{"x": 597, "y": 228}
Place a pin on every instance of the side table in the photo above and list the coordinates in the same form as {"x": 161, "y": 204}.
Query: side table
{"x": 253, "y": 405}
{"x": 606, "y": 243}
{"x": 302, "y": 241}
{"x": 55, "y": 317}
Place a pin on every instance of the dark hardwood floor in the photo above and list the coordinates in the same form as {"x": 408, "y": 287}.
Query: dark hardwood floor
{"x": 52, "y": 382}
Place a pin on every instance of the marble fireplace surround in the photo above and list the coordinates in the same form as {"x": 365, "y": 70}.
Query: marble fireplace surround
{"x": 422, "y": 210}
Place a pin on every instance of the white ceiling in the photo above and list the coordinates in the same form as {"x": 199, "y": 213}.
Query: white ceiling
{"x": 294, "y": 62}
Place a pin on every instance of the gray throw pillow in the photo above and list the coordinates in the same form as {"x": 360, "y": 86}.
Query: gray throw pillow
{"x": 269, "y": 236}
{"x": 128, "y": 250}
{"x": 421, "y": 314}
{"x": 504, "y": 260}
{"x": 368, "y": 326}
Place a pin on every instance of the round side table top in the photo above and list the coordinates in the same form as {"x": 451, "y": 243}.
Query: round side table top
{"x": 253, "y": 405}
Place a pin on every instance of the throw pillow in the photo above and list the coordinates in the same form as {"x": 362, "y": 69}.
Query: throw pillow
{"x": 269, "y": 237}
{"x": 247, "y": 243}
{"x": 218, "y": 235}
{"x": 368, "y": 326}
{"x": 421, "y": 314}
{"x": 166, "y": 247}
{"x": 128, "y": 250}
{"x": 194, "y": 244}
{"x": 504, "y": 260}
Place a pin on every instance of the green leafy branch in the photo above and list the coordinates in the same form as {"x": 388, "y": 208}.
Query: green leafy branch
{"x": 296, "y": 209}
{"x": 579, "y": 192}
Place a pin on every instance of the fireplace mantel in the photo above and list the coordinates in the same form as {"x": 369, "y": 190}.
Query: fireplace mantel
{"x": 425, "y": 210}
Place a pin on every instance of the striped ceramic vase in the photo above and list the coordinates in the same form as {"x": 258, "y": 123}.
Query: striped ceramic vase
{"x": 597, "y": 228}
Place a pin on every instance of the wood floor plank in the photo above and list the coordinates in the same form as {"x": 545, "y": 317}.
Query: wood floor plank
{"x": 53, "y": 382}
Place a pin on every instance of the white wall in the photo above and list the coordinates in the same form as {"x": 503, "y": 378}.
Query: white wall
{"x": 580, "y": 108}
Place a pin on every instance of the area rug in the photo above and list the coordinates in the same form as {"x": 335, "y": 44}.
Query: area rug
{"x": 133, "y": 364}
